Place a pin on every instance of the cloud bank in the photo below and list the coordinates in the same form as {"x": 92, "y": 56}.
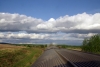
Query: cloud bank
{"x": 80, "y": 23}
{"x": 65, "y": 29}
{"x": 43, "y": 38}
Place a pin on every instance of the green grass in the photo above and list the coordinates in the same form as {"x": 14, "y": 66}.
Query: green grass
{"x": 19, "y": 58}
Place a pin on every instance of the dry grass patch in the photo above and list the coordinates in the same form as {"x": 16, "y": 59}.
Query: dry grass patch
{"x": 77, "y": 49}
{"x": 10, "y": 48}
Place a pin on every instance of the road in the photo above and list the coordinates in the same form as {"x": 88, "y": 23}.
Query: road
{"x": 67, "y": 58}
{"x": 80, "y": 59}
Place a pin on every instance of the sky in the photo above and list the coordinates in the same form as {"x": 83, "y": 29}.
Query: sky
{"x": 49, "y": 21}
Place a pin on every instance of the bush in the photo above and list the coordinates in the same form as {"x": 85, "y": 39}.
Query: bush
{"x": 92, "y": 44}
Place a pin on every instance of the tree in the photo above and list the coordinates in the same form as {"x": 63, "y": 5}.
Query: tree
{"x": 92, "y": 44}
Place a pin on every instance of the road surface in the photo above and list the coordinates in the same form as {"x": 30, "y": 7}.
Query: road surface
{"x": 66, "y": 58}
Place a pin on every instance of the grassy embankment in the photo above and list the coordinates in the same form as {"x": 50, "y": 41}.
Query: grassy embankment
{"x": 70, "y": 47}
{"x": 19, "y": 56}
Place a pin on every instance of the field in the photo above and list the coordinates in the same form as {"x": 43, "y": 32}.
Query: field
{"x": 18, "y": 56}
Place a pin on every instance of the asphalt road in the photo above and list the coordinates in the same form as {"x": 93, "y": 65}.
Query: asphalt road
{"x": 81, "y": 59}
{"x": 66, "y": 58}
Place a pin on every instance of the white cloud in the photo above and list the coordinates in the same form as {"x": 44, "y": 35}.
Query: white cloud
{"x": 76, "y": 27}
{"x": 58, "y": 36}
{"x": 16, "y": 22}
{"x": 71, "y": 24}
{"x": 22, "y": 36}
{"x": 51, "y": 19}
{"x": 75, "y": 24}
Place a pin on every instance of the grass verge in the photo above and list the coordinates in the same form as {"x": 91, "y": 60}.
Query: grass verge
{"x": 19, "y": 58}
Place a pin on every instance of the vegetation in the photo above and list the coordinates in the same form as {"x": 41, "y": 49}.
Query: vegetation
{"x": 24, "y": 55}
{"x": 70, "y": 47}
{"x": 92, "y": 44}
{"x": 32, "y": 45}
{"x": 19, "y": 56}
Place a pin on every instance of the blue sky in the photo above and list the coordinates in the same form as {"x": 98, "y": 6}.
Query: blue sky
{"x": 46, "y": 9}
{"x": 48, "y": 21}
